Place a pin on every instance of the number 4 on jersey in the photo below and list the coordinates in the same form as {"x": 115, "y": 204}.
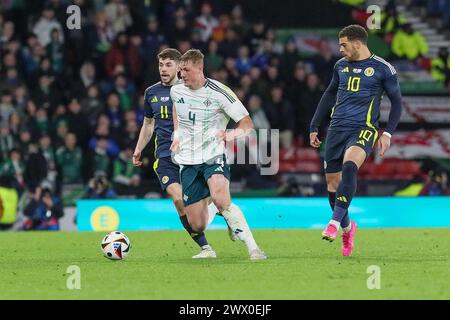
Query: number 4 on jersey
{"x": 192, "y": 117}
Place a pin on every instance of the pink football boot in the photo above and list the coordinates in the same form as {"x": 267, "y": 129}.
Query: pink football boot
{"x": 347, "y": 240}
{"x": 330, "y": 232}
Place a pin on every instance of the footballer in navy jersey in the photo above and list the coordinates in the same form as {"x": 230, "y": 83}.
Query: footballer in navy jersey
{"x": 353, "y": 97}
{"x": 158, "y": 106}
{"x": 158, "y": 119}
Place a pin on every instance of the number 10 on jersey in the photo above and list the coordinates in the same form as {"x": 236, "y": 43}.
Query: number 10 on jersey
{"x": 353, "y": 84}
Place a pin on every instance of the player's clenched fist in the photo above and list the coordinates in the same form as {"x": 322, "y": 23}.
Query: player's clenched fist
{"x": 313, "y": 140}
{"x": 383, "y": 144}
{"x": 136, "y": 158}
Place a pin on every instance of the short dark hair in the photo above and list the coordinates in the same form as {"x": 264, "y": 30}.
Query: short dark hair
{"x": 170, "y": 53}
{"x": 354, "y": 32}
{"x": 193, "y": 55}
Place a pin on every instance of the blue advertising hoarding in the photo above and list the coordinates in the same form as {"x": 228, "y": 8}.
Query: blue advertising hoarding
{"x": 268, "y": 213}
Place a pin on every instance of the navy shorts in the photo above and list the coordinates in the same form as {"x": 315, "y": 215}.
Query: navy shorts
{"x": 166, "y": 171}
{"x": 337, "y": 142}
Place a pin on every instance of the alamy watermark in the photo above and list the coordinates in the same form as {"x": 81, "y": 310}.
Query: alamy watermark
{"x": 374, "y": 280}
{"x": 255, "y": 147}
{"x": 374, "y": 20}
{"x": 73, "y": 22}
{"x": 73, "y": 281}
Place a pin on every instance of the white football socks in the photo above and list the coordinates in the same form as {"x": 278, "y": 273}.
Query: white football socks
{"x": 337, "y": 224}
{"x": 236, "y": 221}
{"x": 212, "y": 211}
{"x": 347, "y": 228}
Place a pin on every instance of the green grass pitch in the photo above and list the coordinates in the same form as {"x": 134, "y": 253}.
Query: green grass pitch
{"x": 414, "y": 264}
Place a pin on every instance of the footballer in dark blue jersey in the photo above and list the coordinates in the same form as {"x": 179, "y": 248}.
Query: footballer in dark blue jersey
{"x": 158, "y": 119}
{"x": 353, "y": 97}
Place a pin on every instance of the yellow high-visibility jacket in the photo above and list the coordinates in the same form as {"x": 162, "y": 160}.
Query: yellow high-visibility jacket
{"x": 409, "y": 46}
{"x": 436, "y": 65}
{"x": 8, "y": 205}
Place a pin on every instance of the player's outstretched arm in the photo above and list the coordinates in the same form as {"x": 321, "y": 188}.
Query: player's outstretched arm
{"x": 326, "y": 103}
{"x": 392, "y": 88}
{"x": 145, "y": 136}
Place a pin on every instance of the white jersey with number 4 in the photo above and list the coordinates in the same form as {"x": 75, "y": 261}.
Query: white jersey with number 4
{"x": 201, "y": 114}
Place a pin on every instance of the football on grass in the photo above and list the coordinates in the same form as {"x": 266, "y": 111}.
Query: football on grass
{"x": 116, "y": 245}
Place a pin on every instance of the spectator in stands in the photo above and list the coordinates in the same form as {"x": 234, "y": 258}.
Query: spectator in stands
{"x": 99, "y": 161}
{"x": 288, "y": 59}
{"x": 409, "y": 44}
{"x": 78, "y": 122}
{"x": 152, "y": 39}
{"x": 48, "y": 151}
{"x": 99, "y": 188}
{"x": 391, "y": 22}
{"x": 257, "y": 36}
{"x": 6, "y": 141}
{"x": 118, "y": 15}
{"x": 436, "y": 184}
{"x": 45, "y": 25}
{"x": 280, "y": 114}
{"x": 44, "y": 211}
{"x": 14, "y": 169}
{"x": 440, "y": 66}
{"x": 47, "y": 96}
{"x": 6, "y": 105}
{"x": 92, "y": 105}
{"x": 69, "y": 159}
{"x": 35, "y": 166}
{"x": 7, "y": 32}
{"x": 309, "y": 100}
{"x": 206, "y": 22}
{"x": 55, "y": 51}
{"x": 213, "y": 61}
{"x": 126, "y": 176}
{"x": 243, "y": 61}
{"x": 125, "y": 92}
{"x": 324, "y": 61}
{"x": 257, "y": 113}
{"x": 122, "y": 53}
{"x": 87, "y": 77}
{"x": 229, "y": 47}
{"x": 15, "y": 126}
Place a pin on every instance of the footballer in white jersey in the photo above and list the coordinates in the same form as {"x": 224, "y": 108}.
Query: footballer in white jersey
{"x": 202, "y": 108}
{"x": 201, "y": 114}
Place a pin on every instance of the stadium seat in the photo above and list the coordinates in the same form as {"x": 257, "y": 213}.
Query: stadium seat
{"x": 308, "y": 166}
{"x": 408, "y": 167}
{"x": 307, "y": 154}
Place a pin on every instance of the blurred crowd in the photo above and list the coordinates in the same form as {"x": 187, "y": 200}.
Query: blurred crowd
{"x": 71, "y": 101}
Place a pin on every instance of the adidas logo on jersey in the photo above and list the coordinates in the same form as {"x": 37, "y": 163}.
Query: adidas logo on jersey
{"x": 155, "y": 99}
{"x": 181, "y": 100}
{"x": 220, "y": 169}
{"x": 361, "y": 142}
{"x": 345, "y": 69}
